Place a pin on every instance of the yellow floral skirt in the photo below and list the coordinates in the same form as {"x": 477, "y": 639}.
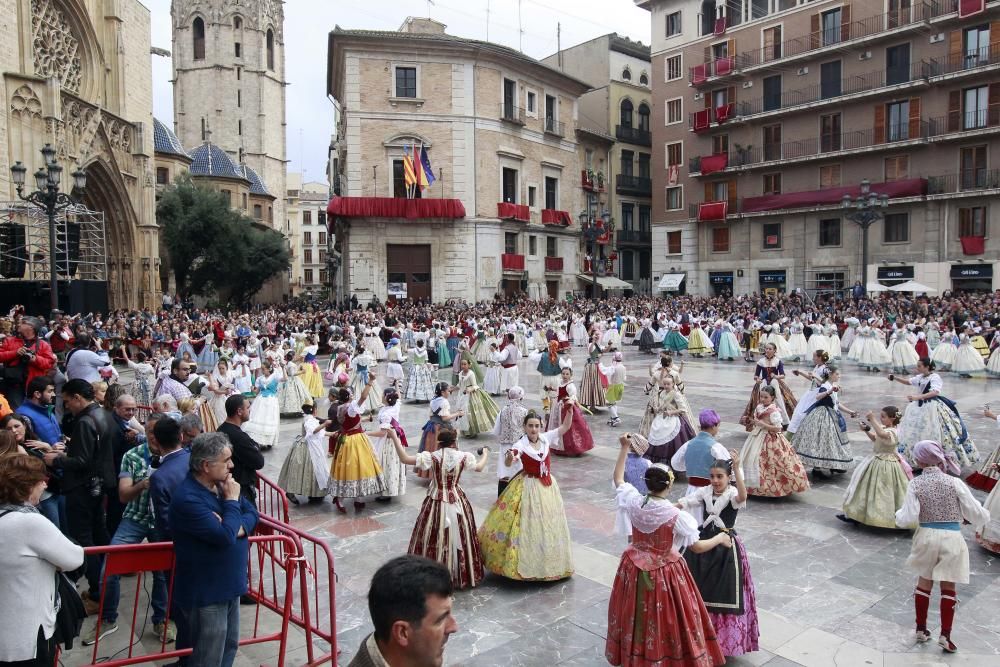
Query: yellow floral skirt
{"x": 356, "y": 472}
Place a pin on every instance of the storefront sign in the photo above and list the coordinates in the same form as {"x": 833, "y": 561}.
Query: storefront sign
{"x": 895, "y": 273}
{"x": 971, "y": 271}
{"x": 721, "y": 278}
{"x": 772, "y": 277}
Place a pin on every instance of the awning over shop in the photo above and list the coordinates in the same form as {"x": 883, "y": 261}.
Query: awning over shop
{"x": 671, "y": 282}
{"x": 606, "y": 282}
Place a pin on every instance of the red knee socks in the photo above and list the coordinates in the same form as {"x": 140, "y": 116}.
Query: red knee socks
{"x": 948, "y": 603}
{"x": 922, "y": 601}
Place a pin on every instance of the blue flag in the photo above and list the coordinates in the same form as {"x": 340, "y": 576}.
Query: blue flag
{"x": 425, "y": 163}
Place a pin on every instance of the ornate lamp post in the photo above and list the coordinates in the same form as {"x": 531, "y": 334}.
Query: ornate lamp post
{"x": 864, "y": 211}
{"x": 48, "y": 198}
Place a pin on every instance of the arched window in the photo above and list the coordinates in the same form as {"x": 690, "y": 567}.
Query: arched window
{"x": 626, "y": 113}
{"x": 643, "y": 79}
{"x": 626, "y": 74}
{"x": 270, "y": 49}
{"x": 198, "y": 35}
{"x": 644, "y": 117}
{"x": 237, "y": 23}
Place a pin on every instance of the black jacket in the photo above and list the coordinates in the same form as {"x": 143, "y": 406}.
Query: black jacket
{"x": 89, "y": 451}
{"x": 247, "y": 459}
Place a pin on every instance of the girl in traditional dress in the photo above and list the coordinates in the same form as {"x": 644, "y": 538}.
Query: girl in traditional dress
{"x": 933, "y": 335}
{"x": 936, "y": 504}
{"x": 830, "y": 331}
{"x": 656, "y": 615}
{"x": 145, "y": 377}
{"x": 978, "y": 340}
{"x": 770, "y": 372}
{"x": 293, "y": 391}
{"x": 904, "y": 355}
{"x": 525, "y": 535}
{"x": 850, "y": 333}
{"x": 185, "y": 347}
{"x": 674, "y": 342}
{"x": 944, "y": 354}
{"x": 265, "y": 413}
{"x": 815, "y": 378}
{"x": 878, "y": 484}
{"x": 222, "y": 385}
{"x": 666, "y": 423}
{"x": 821, "y": 440}
{"x": 446, "y": 526}
{"x": 968, "y": 361}
{"x": 209, "y": 354}
{"x": 444, "y": 354}
{"x": 931, "y": 416}
{"x": 699, "y": 343}
{"x": 921, "y": 348}
{"x": 508, "y": 429}
{"x": 773, "y": 335}
{"x": 770, "y": 464}
{"x": 817, "y": 341}
{"x": 355, "y": 472}
{"x": 550, "y": 366}
{"x": 797, "y": 344}
{"x": 394, "y": 365}
{"x": 393, "y": 471}
{"x": 311, "y": 377}
{"x": 491, "y": 381}
{"x": 420, "y": 385}
{"x": 362, "y": 367}
{"x": 591, "y": 387}
{"x": 578, "y": 438}
{"x": 723, "y": 575}
{"x": 305, "y": 471}
{"x": 441, "y": 417}
{"x": 479, "y": 412}
{"x": 374, "y": 345}
{"x": 616, "y": 376}
{"x": 728, "y": 348}
{"x": 872, "y": 353}
{"x": 647, "y": 337}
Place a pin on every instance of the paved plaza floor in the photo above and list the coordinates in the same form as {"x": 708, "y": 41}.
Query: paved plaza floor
{"x": 828, "y": 594}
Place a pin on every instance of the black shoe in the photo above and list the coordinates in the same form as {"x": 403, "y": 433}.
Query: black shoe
{"x": 247, "y": 599}
{"x": 847, "y": 519}
{"x": 292, "y": 499}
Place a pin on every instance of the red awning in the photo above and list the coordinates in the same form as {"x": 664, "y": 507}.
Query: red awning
{"x": 713, "y": 163}
{"x": 551, "y": 216}
{"x": 913, "y": 187}
{"x": 973, "y": 245}
{"x": 711, "y": 211}
{"x": 391, "y": 207}
{"x": 508, "y": 211}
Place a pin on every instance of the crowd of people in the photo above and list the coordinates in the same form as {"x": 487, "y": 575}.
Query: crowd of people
{"x": 173, "y": 454}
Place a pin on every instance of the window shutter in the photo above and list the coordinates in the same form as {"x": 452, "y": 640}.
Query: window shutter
{"x": 731, "y": 50}
{"x": 915, "y": 118}
{"x": 731, "y": 95}
{"x": 993, "y": 112}
{"x": 994, "y": 39}
{"x": 768, "y": 44}
{"x": 845, "y": 23}
{"x": 731, "y": 187}
{"x": 955, "y": 48}
{"x": 709, "y": 192}
{"x": 879, "y": 137}
{"x": 814, "y": 31}
{"x": 954, "y": 110}
{"x": 708, "y": 54}
{"x": 708, "y": 99}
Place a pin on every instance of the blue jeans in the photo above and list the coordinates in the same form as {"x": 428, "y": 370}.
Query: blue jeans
{"x": 53, "y": 508}
{"x": 132, "y": 532}
{"x": 215, "y": 634}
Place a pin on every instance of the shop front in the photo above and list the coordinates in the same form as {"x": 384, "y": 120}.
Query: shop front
{"x": 721, "y": 282}
{"x": 894, "y": 275}
{"x": 972, "y": 277}
{"x": 772, "y": 282}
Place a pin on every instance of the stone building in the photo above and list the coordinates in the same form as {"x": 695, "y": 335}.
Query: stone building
{"x": 619, "y": 71}
{"x": 499, "y": 129}
{"x": 769, "y": 112}
{"x": 77, "y": 75}
{"x": 308, "y": 231}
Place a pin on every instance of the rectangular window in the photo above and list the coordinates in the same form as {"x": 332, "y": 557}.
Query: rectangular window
{"x": 897, "y": 228}
{"x": 322, "y": 276}
{"x": 322, "y": 239}
{"x": 510, "y": 243}
{"x": 720, "y": 191}
{"x": 551, "y": 108}
{"x": 532, "y": 245}
{"x": 644, "y": 165}
{"x": 772, "y": 235}
{"x": 897, "y": 168}
{"x": 406, "y": 82}
{"x": 772, "y": 92}
{"x": 510, "y": 185}
{"x": 237, "y": 49}
{"x": 720, "y": 239}
{"x": 673, "y": 68}
{"x": 239, "y": 98}
{"x": 258, "y": 211}
{"x": 829, "y": 79}
{"x": 551, "y": 246}
{"x": 162, "y": 176}
{"x": 399, "y": 189}
{"x": 720, "y": 144}
{"x": 897, "y": 64}
{"x": 628, "y": 265}
{"x": 308, "y": 276}
{"x": 644, "y": 217}
{"x": 510, "y": 99}
{"x": 627, "y": 163}
{"x": 532, "y": 196}
{"x": 321, "y": 220}
{"x": 307, "y": 238}
{"x": 675, "y": 153}
{"x": 973, "y": 167}
{"x": 772, "y": 184}
{"x": 829, "y": 133}
{"x": 628, "y": 217}
{"x": 720, "y": 50}
{"x": 972, "y": 221}
{"x": 675, "y": 111}
{"x": 551, "y": 192}
{"x": 976, "y": 43}
{"x": 673, "y": 24}
{"x": 831, "y": 26}
{"x": 898, "y": 117}
{"x": 829, "y": 176}
{"x": 531, "y": 102}
{"x": 829, "y": 233}
{"x": 772, "y": 42}
{"x": 307, "y": 256}
{"x": 307, "y": 217}
{"x": 720, "y": 97}
{"x": 772, "y": 142}
{"x": 228, "y": 195}
{"x": 674, "y": 198}
{"x": 976, "y": 110}
{"x": 673, "y": 243}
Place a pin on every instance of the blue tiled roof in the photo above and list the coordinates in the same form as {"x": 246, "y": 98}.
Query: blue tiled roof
{"x": 210, "y": 160}
{"x": 257, "y": 186}
{"x": 165, "y": 141}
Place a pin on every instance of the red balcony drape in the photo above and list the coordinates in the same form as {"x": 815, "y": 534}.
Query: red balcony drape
{"x": 698, "y": 74}
{"x": 713, "y": 163}
{"x": 970, "y": 7}
{"x": 551, "y": 216}
{"x": 509, "y": 211}
{"x": 723, "y": 66}
{"x": 391, "y": 207}
{"x": 710, "y": 211}
{"x": 720, "y": 27}
{"x": 512, "y": 262}
{"x": 913, "y": 187}
{"x": 554, "y": 264}
{"x": 973, "y": 245}
{"x": 702, "y": 119}
{"x": 724, "y": 113}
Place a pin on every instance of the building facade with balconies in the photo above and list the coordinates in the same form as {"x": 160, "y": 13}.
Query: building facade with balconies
{"x": 620, "y": 105}
{"x": 765, "y": 114}
{"x": 499, "y": 131}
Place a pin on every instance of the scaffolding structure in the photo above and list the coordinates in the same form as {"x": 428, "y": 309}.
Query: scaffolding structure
{"x": 80, "y": 249}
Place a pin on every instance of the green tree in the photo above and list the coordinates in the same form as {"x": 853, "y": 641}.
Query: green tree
{"x": 213, "y": 249}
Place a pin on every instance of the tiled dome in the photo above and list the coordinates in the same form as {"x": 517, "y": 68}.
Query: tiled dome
{"x": 257, "y": 186}
{"x": 211, "y": 161}
{"x": 165, "y": 141}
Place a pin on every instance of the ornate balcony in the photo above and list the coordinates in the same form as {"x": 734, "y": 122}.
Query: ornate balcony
{"x": 512, "y": 114}
{"x": 553, "y": 265}
{"x": 633, "y": 135}
{"x": 640, "y": 186}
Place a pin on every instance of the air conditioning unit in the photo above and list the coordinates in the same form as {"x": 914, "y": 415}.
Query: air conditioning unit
{"x": 748, "y": 84}
{"x": 937, "y": 38}
{"x": 865, "y": 55}
{"x": 803, "y": 70}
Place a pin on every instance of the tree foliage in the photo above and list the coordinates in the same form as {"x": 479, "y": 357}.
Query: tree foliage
{"x": 214, "y": 250}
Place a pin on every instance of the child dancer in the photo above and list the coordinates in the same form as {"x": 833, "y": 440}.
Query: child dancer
{"x": 616, "y": 375}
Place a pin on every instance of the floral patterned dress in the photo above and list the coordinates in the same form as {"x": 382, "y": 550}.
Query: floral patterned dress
{"x": 771, "y": 468}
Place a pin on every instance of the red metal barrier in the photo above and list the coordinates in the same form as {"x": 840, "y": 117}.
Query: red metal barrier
{"x": 141, "y": 559}
{"x": 271, "y": 499}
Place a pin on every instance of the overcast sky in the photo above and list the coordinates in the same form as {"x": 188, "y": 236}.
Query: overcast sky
{"x": 307, "y": 23}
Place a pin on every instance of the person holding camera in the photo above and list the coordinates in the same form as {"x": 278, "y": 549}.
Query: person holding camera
{"x": 24, "y": 357}
{"x": 86, "y": 360}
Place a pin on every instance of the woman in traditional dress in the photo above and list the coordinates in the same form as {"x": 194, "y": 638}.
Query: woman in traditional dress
{"x": 374, "y": 345}
{"x": 209, "y": 354}
{"x": 145, "y": 377}
{"x": 728, "y": 348}
{"x": 820, "y": 358}
{"x": 978, "y": 340}
{"x": 591, "y": 387}
{"x": 666, "y": 422}
{"x": 699, "y": 344}
{"x": 441, "y": 417}
{"x": 479, "y": 412}
{"x": 773, "y": 335}
{"x": 185, "y": 347}
{"x": 444, "y": 354}
{"x": 362, "y": 368}
{"x": 222, "y": 385}
{"x": 578, "y": 438}
{"x": 968, "y": 361}
{"x": 647, "y": 337}
{"x": 305, "y": 471}
{"x": 491, "y": 380}
{"x": 394, "y": 364}
{"x": 293, "y": 391}
{"x": 821, "y": 440}
{"x": 723, "y": 575}
{"x": 446, "y": 526}
{"x": 770, "y": 372}
{"x": 931, "y": 416}
{"x": 944, "y": 354}
{"x": 872, "y": 353}
{"x": 355, "y": 472}
{"x": 393, "y": 471}
{"x": 716, "y": 335}
{"x": 508, "y": 429}
{"x": 830, "y": 331}
{"x": 674, "y": 342}
{"x": 850, "y": 334}
{"x": 797, "y": 344}
{"x": 616, "y": 376}
{"x": 265, "y": 413}
{"x": 311, "y": 376}
{"x": 656, "y": 615}
{"x": 420, "y": 385}
{"x": 771, "y": 467}
{"x": 817, "y": 341}
{"x": 550, "y": 366}
{"x": 878, "y": 484}
{"x": 904, "y": 355}
{"x": 525, "y": 535}
{"x": 936, "y": 504}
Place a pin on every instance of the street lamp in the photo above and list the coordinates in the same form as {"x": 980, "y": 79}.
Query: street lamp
{"x": 864, "y": 211}
{"x": 48, "y": 198}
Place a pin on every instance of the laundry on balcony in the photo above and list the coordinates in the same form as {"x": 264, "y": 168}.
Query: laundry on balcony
{"x": 713, "y": 163}
{"x": 553, "y": 217}
{"x": 970, "y": 7}
{"x": 702, "y": 119}
{"x": 393, "y": 207}
{"x": 723, "y": 66}
{"x": 724, "y": 112}
{"x": 720, "y": 27}
{"x": 711, "y": 211}
{"x": 973, "y": 245}
{"x": 913, "y": 187}
{"x": 509, "y": 211}
{"x": 698, "y": 74}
